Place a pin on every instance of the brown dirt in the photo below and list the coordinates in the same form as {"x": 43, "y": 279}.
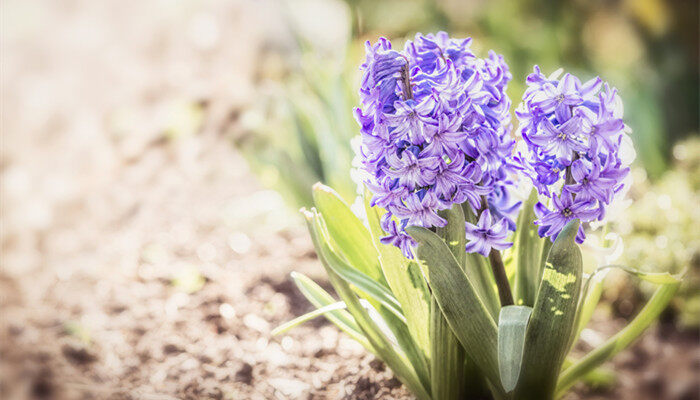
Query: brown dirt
{"x": 103, "y": 208}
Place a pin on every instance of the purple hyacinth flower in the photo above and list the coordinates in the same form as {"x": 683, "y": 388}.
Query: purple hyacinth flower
{"x": 573, "y": 135}
{"x": 559, "y": 98}
{"x": 445, "y": 140}
{"x": 566, "y": 209}
{"x": 419, "y": 209}
{"x": 485, "y": 236}
{"x": 412, "y": 168}
{"x": 562, "y": 141}
{"x": 413, "y": 119}
{"x": 449, "y": 177}
{"x": 471, "y": 191}
{"x": 548, "y": 172}
{"x": 589, "y": 183}
{"x": 396, "y": 236}
{"x": 435, "y": 131}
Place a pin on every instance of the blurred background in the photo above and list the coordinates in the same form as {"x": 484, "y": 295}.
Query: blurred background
{"x": 154, "y": 154}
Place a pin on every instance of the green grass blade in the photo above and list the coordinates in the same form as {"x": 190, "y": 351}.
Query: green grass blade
{"x": 528, "y": 248}
{"x": 349, "y": 234}
{"x": 340, "y": 318}
{"x": 307, "y": 317}
{"x": 405, "y": 280}
{"x": 458, "y": 301}
{"x": 551, "y": 324}
{"x": 512, "y": 325}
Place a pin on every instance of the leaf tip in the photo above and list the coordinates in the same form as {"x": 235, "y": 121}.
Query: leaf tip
{"x": 320, "y": 187}
{"x": 276, "y": 331}
{"x": 570, "y": 229}
{"x": 415, "y": 232}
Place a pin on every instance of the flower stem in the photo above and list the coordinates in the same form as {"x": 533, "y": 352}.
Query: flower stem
{"x": 569, "y": 179}
{"x": 406, "y": 78}
{"x": 499, "y": 270}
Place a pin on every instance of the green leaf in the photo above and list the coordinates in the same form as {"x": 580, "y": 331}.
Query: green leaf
{"x": 551, "y": 325}
{"x": 599, "y": 378}
{"x": 447, "y": 363}
{"x": 463, "y": 309}
{"x": 528, "y": 248}
{"x": 393, "y": 357}
{"x": 307, "y": 317}
{"x": 361, "y": 281}
{"x": 413, "y": 352}
{"x": 590, "y": 296}
{"x": 512, "y": 325}
{"x": 454, "y": 233}
{"x": 306, "y": 137}
{"x": 546, "y": 247}
{"x": 593, "y": 289}
{"x": 448, "y": 357}
{"x": 655, "y": 305}
{"x": 659, "y": 278}
{"x": 340, "y": 318}
{"x": 405, "y": 280}
{"x": 352, "y": 238}
{"x": 478, "y": 270}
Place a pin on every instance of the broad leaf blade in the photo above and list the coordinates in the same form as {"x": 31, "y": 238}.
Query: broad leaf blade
{"x": 447, "y": 364}
{"x": 405, "y": 280}
{"x": 363, "y": 282}
{"x": 458, "y": 301}
{"x": 512, "y": 325}
{"x": 396, "y": 360}
{"x": 528, "y": 248}
{"x": 406, "y": 341}
{"x": 352, "y": 238}
{"x": 454, "y": 233}
{"x": 448, "y": 357}
{"x": 552, "y": 322}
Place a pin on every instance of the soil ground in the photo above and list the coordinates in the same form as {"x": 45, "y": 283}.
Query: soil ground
{"x": 142, "y": 261}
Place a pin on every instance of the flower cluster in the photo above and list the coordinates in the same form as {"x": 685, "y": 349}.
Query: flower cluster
{"x": 576, "y": 142}
{"x": 435, "y": 129}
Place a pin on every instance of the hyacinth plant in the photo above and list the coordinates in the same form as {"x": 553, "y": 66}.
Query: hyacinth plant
{"x": 463, "y": 286}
